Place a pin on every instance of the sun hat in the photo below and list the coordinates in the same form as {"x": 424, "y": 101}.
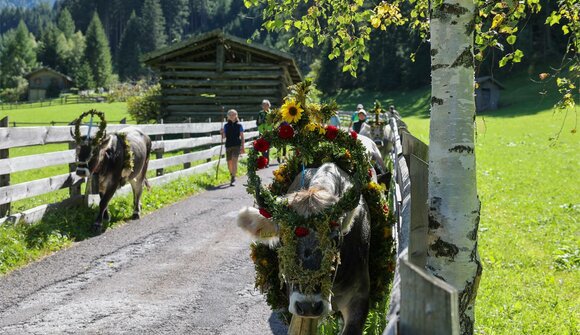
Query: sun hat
{"x": 359, "y": 106}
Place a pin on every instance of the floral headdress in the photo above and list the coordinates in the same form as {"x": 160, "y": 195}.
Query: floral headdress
{"x": 299, "y": 124}
{"x": 100, "y": 132}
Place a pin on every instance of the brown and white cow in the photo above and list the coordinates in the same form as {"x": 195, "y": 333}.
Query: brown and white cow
{"x": 322, "y": 188}
{"x": 107, "y": 160}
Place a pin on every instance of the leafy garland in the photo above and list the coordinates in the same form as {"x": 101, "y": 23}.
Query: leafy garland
{"x": 102, "y": 126}
{"x": 129, "y": 163}
{"x": 99, "y": 136}
{"x": 298, "y": 124}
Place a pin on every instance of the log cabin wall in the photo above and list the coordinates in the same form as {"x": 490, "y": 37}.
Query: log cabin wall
{"x": 201, "y": 75}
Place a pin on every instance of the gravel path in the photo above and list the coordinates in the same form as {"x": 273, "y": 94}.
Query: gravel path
{"x": 184, "y": 269}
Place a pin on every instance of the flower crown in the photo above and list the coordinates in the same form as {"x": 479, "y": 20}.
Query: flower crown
{"x": 102, "y": 126}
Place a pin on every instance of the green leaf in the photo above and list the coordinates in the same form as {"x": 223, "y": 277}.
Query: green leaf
{"x": 511, "y": 39}
{"x": 504, "y": 61}
{"x": 565, "y": 29}
{"x": 308, "y": 41}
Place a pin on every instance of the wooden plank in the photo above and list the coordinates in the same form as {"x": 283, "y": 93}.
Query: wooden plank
{"x": 227, "y": 66}
{"x": 404, "y": 181}
{"x": 24, "y": 163}
{"x": 174, "y": 145}
{"x": 419, "y": 220}
{"x": 428, "y": 304}
{"x": 219, "y": 83}
{"x": 4, "y": 176}
{"x": 224, "y": 92}
{"x": 225, "y": 75}
{"x": 413, "y": 145}
{"x": 37, "y": 187}
{"x": 37, "y": 213}
{"x": 212, "y": 102}
{"x": 27, "y": 136}
{"x": 185, "y": 158}
{"x": 159, "y": 152}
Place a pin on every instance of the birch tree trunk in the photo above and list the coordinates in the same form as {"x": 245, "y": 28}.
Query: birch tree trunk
{"x": 453, "y": 202}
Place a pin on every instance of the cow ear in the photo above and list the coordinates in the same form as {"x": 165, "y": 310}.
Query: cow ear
{"x": 262, "y": 230}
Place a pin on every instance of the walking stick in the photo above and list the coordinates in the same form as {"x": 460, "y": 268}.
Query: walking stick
{"x": 221, "y": 150}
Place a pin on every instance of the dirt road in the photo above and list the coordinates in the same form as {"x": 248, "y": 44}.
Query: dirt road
{"x": 184, "y": 269}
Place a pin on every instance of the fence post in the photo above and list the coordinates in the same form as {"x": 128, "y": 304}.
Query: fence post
{"x": 159, "y": 153}
{"x": 418, "y": 231}
{"x": 186, "y": 151}
{"x": 74, "y": 190}
{"x": 428, "y": 304}
{"x": 4, "y": 179}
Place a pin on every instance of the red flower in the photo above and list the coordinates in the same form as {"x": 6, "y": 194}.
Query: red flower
{"x": 261, "y": 145}
{"x": 333, "y": 224}
{"x": 386, "y": 209}
{"x": 301, "y": 231}
{"x": 331, "y": 132}
{"x": 265, "y": 213}
{"x": 285, "y": 131}
{"x": 262, "y": 162}
{"x": 370, "y": 172}
{"x": 353, "y": 134}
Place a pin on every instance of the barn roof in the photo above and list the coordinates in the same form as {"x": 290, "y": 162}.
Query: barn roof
{"x": 197, "y": 44}
{"x": 481, "y": 80}
{"x": 47, "y": 69}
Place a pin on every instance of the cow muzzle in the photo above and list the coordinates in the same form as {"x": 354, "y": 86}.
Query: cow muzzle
{"x": 83, "y": 170}
{"x": 308, "y": 306}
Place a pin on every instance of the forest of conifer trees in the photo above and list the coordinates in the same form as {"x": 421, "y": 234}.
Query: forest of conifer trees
{"x": 99, "y": 42}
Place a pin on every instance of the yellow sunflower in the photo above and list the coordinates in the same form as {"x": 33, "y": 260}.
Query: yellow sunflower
{"x": 291, "y": 111}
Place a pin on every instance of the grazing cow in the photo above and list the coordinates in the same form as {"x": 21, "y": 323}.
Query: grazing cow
{"x": 108, "y": 160}
{"x": 323, "y": 187}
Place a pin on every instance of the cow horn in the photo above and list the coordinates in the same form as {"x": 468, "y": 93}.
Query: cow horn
{"x": 71, "y": 133}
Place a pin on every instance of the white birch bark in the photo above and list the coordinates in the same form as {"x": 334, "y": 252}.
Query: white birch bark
{"x": 453, "y": 202}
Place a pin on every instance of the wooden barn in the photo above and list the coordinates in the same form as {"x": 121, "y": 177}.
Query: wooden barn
{"x": 487, "y": 94}
{"x": 45, "y": 83}
{"x": 204, "y": 73}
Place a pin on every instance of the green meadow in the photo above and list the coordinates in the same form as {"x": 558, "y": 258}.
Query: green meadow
{"x": 528, "y": 173}
{"x": 528, "y": 166}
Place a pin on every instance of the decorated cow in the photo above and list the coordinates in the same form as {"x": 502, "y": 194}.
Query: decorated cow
{"x": 114, "y": 159}
{"x": 323, "y": 238}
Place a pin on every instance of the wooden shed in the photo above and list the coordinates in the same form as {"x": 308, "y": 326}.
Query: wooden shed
{"x": 45, "y": 83}
{"x": 487, "y": 94}
{"x": 204, "y": 73}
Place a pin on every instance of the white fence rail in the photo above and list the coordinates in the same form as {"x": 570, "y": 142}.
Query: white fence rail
{"x": 198, "y": 142}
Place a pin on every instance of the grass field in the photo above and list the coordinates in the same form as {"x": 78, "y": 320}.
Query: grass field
{"x": 43, "y": 116}
{"x": 529, "y": 236}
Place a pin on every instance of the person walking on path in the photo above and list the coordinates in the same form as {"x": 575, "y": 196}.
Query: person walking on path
{"x": 358, "y": 125}
{"x": 233, "y": 132}
{"x": 264, "y": 124}
{"x": 354, "y": 117}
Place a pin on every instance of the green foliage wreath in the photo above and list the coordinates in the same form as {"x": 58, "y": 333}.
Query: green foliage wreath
{"x": 299, "y": 124}
{"x": 102, "y": 126}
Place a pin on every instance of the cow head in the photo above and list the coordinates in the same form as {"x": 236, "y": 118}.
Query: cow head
{"x": 309, "y": 252}
{"x": 90, "y": 152}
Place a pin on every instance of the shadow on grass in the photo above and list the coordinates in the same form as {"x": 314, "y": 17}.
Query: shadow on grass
{"x": 521, "y": 96}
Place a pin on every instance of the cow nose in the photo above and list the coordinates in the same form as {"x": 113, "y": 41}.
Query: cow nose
{"x": 308, "y": 308}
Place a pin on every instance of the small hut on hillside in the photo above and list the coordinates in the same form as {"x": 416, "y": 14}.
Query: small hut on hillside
{"x": 45, "y": 83}
{"x": 487, "y": 93}
{"x": 204, "y": 73}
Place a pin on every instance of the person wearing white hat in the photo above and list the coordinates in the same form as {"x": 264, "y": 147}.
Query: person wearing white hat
{"x": 362, "y": 117}
{"x": 354, "y": 117}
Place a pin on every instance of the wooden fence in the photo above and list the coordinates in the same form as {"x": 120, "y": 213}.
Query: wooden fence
{"x": 420, "y": 303}
{"x": 62, "y": 100}
{"x": 196, "y": 142}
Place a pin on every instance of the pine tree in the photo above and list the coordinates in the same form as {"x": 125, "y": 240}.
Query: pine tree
{"x": 47, "y": 47}
{"x": 66, "y": 23}
{"x": 84, "y": 77}
{"x": 154, "y": 36}
{"x": 130, "y": 50}
{"x": 176, "y": 13}
{"x": 97, "y": 53}
{"x": 17, "y": 57}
